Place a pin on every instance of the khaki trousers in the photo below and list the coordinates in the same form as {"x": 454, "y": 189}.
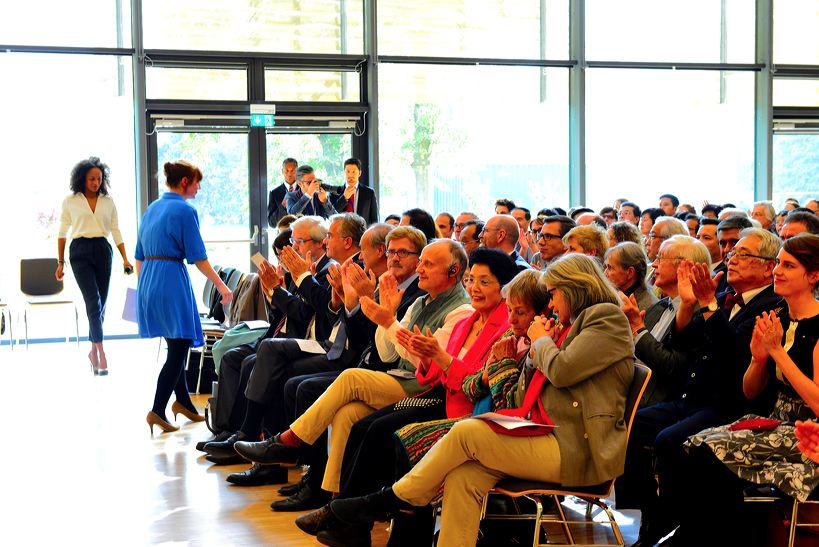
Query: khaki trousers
{"x": 356, "y": 393}
{"x": 469, "y": 461}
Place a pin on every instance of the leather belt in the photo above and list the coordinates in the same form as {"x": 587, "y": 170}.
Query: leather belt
{"x": 171, "y": 258}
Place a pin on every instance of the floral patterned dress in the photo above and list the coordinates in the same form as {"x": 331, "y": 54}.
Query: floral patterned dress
{"x": 771, "y": 456}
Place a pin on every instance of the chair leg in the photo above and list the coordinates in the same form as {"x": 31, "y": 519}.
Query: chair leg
{"x": 201, "y": 364}
{"x": 77, "y": 324}
{"x": 792, "y": 531}
{"x": 11, "y": 331}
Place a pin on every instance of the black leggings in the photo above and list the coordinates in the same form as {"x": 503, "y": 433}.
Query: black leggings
{"x": 172, "y": 377}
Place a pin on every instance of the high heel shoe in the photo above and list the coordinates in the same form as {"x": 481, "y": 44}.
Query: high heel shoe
{"x": 154, "y": 420}
{"x": 102, "y": 370}
{"x": 178, "y": 408}
{"x": 95, "y": 363}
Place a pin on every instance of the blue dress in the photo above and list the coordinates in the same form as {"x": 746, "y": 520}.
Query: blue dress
{"x": 166, "y": 305}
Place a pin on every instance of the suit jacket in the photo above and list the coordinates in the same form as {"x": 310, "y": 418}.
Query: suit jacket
{"x": 729, "y": 343}
{"x": 366, "y": 205}
{"x": 722, "y": 284}
{"x": 586, "y": 393}
{"x": 275, "y": 211}
{"x": 520, "y": 262}
{"x": 300, "y": 204}
{"x": 361, "y": 331}
{"x": 297, "y": 304}
{"x": 667, "y": 364}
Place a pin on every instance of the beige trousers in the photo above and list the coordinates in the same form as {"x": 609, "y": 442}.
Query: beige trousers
{"x": 469, "y": 461}
{"x": 356, "y": 393}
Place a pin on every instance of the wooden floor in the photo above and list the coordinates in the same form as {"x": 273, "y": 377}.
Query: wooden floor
{"x": 79, "y": 465}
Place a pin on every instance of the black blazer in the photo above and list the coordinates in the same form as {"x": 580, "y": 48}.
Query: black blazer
{"x": 275, "y": 211}
{"x": 728, "y": 343}
{"x": 665, "y": 362}
{"x": 722, "y": 284}
{"x": 366, "y": 205}
{"x": 520, "y": 262}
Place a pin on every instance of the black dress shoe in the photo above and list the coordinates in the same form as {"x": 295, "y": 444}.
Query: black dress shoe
{"x": 219, "y": 437}
{"x": 652, "y": 531}
{"x": 304, "y": 499}
{"x": 294, "y": 488}
{"x": 225, "y": 460}
{"x": 225, "y": 448}
{"x": 267, "y": 451}
{"x": 258, "y": 475}
{"x": 316, "y": 521}
{"x": 347, "y": 536}
{"x": 379, "y": 506}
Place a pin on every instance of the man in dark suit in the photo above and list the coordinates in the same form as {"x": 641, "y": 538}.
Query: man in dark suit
{"x": 310, "y": 197}
{"x": 276, "y": 203}
{"x": 355, "y": 197}
{"x": 727, "y": 236}
{"x": 715, "y": 333}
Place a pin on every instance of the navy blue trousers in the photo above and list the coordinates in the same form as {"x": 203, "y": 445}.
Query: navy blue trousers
{"x": 90, "y": 260}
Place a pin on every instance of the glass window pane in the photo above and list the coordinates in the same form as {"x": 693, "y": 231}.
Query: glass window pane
{"x": 447, "y": 145}
{"x": 689, "y": 133}
{"x": 292, "y": 26}
{"x": 474, "y": 28}
{"x": 793, "y": 92}
{"x": 311, "y": 85}
{"x": 679, "y": 30}
{"x": 86, "y": 23}
{"x": 222, "y": 201}
{"x": 795, "y": 168}
{"x": 63, "y": 109}
{"x": 795, "y": 39}
{"x": 196, "y": 83}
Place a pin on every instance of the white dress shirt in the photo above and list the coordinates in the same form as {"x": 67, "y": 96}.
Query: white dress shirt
{"x": 83, "y": 222}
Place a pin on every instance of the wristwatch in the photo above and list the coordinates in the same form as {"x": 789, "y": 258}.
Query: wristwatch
{"x": 712, "y": 306}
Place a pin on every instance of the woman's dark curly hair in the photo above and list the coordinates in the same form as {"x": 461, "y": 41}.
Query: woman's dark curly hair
{"x": 80, "y": 171}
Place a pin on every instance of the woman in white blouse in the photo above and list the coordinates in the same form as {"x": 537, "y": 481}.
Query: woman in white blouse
{"x": 91, "y": 215}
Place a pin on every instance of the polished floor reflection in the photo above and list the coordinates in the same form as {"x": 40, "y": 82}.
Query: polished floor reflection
{"x": 80, "y": 466}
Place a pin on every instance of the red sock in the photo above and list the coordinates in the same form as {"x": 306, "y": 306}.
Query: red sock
{"x": 288, "y": 438}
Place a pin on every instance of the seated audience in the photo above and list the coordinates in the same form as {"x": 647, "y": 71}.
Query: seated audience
{"x": 504, "y": 206}
{"x": 629, "y": 212}
{"x": 459, "y": 223}
{"x": 693, "y": 222}
{"x": 764, "y": 213}
{"x": 798, "y": 222}
{"x": 668, "y": 204}
{"x": 609, "y": 215}
{"x": 418, "y": 218}
{"x": 469, "y": 237}
{"x": 393, "y": 220}
{"x": 587, "y": 219}
{"x": 711, "y": 210}
{"x": 503, "y": 232}
{"x": 446, "y": 224}
{"x": 647, "y": 219}
{"x": 585, "y": 448}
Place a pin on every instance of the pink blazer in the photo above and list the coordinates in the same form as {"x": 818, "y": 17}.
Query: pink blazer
{"x": 457, "y": 403}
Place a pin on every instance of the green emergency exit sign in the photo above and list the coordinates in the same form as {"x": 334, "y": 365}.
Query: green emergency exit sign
{"x": 262, "y": 120}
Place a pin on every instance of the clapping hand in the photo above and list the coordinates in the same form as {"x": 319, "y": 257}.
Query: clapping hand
{"x": 629, "y": 306}
{"x": 426, "y": 346}
{"x": 808, "y": 435}
{"x": 270, "y": 277}
{"x": 505, "y": 348}
{"x": 704, "y": 286}
{"x": 540, "y": 327}
{"x": 363, "y": 283}
{"x": 334, "y": 277}
{"x": 294, "y": 263}
{"x": 685, "y": 285}
{"x": 768, "y": 331}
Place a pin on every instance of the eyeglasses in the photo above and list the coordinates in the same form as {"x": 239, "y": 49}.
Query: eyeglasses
{"x": 742, "y": 256}
{"x": 548, "y": 237}
{"x": 400, "y": 253}
{"x": 294, "y": 241}
{"x": 652, "y": 235}
{"x": 482, "y": 282}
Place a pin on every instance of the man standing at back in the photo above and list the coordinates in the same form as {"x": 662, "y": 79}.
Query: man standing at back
{"x": 356, "y": 198}
{"x": 309, "y": 198}
{"x": 276, "y": 203}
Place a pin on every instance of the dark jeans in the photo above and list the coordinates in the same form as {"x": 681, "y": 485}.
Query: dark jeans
{"x": 234, "y": 372}
{"x": 90, "y": 260}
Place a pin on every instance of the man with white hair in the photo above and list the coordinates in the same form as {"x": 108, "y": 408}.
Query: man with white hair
{"x": 764, "y": 213}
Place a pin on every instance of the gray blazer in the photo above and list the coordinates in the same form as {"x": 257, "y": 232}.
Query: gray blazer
{"x": 645, "y": 298}
{"x": 589, "y": 378}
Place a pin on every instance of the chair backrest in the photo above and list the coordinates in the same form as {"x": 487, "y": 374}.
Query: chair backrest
{"x": 207, "y": 292}
{"x": 639, "y": 382}
{"x": 37, "y": 277}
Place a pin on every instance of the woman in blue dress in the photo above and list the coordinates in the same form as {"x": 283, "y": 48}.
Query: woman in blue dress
{"x": 166, "y": 305}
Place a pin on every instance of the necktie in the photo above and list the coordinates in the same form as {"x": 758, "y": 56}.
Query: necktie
{"x": 731, "y": 300}
{"x": 339, "y": 343}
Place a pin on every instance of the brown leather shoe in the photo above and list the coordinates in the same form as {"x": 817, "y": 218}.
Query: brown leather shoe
{"x": 316, "y": 521}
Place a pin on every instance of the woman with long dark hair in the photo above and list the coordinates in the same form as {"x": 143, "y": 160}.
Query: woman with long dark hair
{"x": 91, "y": 215}
{"x": 166, "y": 305}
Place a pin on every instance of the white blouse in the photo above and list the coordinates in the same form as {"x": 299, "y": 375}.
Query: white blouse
{"x": 83, "y": 222}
